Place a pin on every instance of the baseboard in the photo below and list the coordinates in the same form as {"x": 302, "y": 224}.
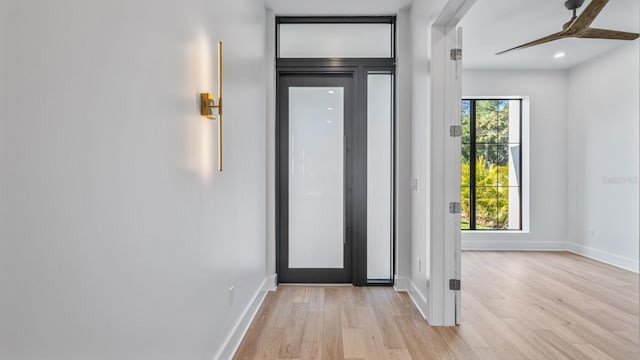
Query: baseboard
{"x": 234, "y": 339}
{"x": 513, "y": 245}
{"x": 403, "y": 284}
{"x": 400, "y": 284}
{"x": 271, "y": 282}
{"x": 419, "y": 299}
{"x": 604, "y": 256}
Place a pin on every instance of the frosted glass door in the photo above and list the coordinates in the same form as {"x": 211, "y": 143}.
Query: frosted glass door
{"x": 315, "y": 115}
{"x": 316, "y": 177}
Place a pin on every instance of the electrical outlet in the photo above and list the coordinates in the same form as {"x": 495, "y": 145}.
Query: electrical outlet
{"x": 414, "y": 184}
{"x": 419, "y": 265}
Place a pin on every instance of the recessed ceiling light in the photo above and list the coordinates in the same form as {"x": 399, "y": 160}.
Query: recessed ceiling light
{"x": 330, "y": 91}
{"x": 559, "y": 55}
{"x": 330, "y": 108}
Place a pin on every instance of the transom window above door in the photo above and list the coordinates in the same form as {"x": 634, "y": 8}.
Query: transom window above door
{"x": 352, "y": 37}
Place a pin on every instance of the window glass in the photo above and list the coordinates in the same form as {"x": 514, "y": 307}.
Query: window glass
{"x": 379, "y": 176}
{"x": 316, "y": 173}
{"x": 491, "y": 158}
{"x": 363, "y": 40}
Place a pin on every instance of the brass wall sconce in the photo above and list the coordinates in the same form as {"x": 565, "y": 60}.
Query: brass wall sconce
{"x": 209, "y": 108}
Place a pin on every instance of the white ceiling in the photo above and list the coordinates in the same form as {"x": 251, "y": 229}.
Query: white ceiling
{"x": 495, "y": 25}
{"x": 336, "y": 7}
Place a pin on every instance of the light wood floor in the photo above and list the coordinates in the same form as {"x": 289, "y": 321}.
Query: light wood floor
{"x": 531, "y": 305}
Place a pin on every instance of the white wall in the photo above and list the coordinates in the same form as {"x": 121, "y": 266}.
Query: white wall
{"x": 603, "y": 157}
{"x": 422, "y": 16}
{"x": 419, "y": 183}
{"x": 547, "y": 158}
{"x": 118, "y": 238}
{"x": 270, "y": 153}
{"x": 403, "y": 149}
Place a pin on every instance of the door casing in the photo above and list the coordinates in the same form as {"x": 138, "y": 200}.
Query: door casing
{"x": 446, "y": 96}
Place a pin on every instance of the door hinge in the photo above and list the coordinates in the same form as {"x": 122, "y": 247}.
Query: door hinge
{"x": 454, "y": 284}
{"x": 454, "y": 207}
{"x": 456, "y": 54}
{"x": 455, "y": 130}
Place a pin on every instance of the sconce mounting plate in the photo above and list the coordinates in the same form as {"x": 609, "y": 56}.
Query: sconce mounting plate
{"x": 207, "y": 104}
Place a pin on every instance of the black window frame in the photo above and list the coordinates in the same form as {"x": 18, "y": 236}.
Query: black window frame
{"x": 472, "y": 160}
{"x": 360, "y": 68}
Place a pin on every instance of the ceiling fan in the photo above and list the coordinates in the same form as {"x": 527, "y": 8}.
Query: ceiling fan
{"x": 578, "y": 26}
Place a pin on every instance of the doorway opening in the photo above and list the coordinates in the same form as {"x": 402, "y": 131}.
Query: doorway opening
{"x": 335, "y": 135}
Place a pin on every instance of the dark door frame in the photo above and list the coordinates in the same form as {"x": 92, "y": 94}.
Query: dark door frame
{"x": 314, "y": 275}
{"x": 359, "y": 69}
{"x": 357, "y": 197}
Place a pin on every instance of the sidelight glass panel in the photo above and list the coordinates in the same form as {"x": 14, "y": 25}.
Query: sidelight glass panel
{"x": 379, "y": 175}
{"x": 372, "y": 40}
{"x": 316, "y": 185}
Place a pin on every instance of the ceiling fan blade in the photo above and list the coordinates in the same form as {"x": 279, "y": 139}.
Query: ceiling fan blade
{"x": 589, "y": 14}
{"x": 593, "y": 33}
{"x": 543, "y": 40}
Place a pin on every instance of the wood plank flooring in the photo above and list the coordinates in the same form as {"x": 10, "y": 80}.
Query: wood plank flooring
{"x": 515, "y": 305}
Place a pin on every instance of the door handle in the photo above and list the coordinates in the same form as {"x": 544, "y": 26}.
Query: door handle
{"x": 345, "y": 238}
